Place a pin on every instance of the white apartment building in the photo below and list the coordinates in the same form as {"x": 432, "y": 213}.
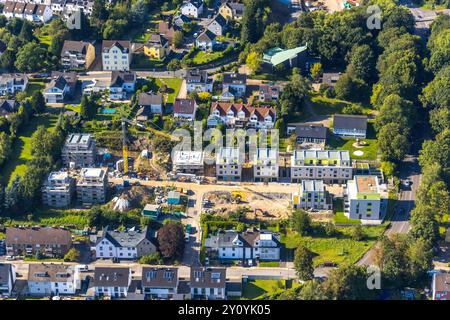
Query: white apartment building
{"x": 112, "y": 282}
{"x": 248, "y": 245}
{"x": 364, "y": 198}
{"x": 128, "y": 244}
{"x": 208, "y": 283}
{"x": 192, "y": 8}
{"x": 331, "y": 166}
{"x": 229, "y": 163}
{"x": 92, "y": 186}
{"x": 116, "y": 55}
{"x": 79, "y": 150}
{"x": 188, "y": 162}
{"x": 47, "y": 279}
{"x": 58, "y": 190}
{"x": 265, "y": 165}
{"x": 312, "y": 195}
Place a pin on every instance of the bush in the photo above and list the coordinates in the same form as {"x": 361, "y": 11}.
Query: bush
{"x": 72, "y": 255}
{"x": 152, "y": 258}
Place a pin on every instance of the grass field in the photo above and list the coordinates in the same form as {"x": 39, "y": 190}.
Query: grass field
{"x": 256, "y": 288}
{"x": 269, "y": 264}
{"x": 22, "y": 147}
{"x": 339, "y": 217}
{"x": 341, "y": 249}
{"x": 173, "y": 84}
{"x": 141, "y": 61}
{"x": 34, "y": 85}
{"x": 370, "y": 150}
{"x": 329, "y": 106}
{"x": 202, "y": 57}
{"x": 54, "y": 217}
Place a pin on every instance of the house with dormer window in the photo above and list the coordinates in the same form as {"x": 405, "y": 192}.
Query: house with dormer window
{"x": 208, "y": 283}
{"x": 239, "y": 115}
{"x": 116, "y": 55}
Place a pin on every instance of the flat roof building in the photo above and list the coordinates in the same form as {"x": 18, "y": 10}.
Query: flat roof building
{"x": 363, "y": 198}
{"x": 188, "y": 162}
{"x": 312, "y": 195}
{"x": 265, "y": 166}
{"x": 92, "y": 186}
{"x": 229, "y": 163}
{"x": 79, "y": 150}
{"x": 58, "y": 189}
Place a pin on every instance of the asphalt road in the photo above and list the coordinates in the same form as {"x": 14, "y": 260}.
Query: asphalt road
{"x": 400, "y": 221}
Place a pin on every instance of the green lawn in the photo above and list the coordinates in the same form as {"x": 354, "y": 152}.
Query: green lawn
{"x": 202, "y": 57}
{"x": 34, "y": 85}
{"x": 329, "y": 106}
{"x": 340, "y": 249}
{"x": 54, "y": 217}
{"x": 269, "y": 264}
{"x": 370, "y": 150}
{"x": 254, "y": 289}
{"x": 339, "y": 217}
{"x": 141, "y": 61}
{"x": 22, "y": 148}
{"x": 173, "y": 84}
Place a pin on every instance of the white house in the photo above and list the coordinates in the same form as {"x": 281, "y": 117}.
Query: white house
{"x": 112, "y": 282}
{"x": 229, "y": 163}
{"x": 251, "y": 244}
{"x": 51, "y": 279}
{"x": 56, "y": 90}
{"x": 332, "y": 166}
{"x": 161, "y": 283}
{"x": 198, "y": 81}
{"x": 265, "y": 165}
{"x": 121, "y": 84}
{"x": 218, "y": 25}
{"x": 206, "y": 41}
{"x": 185, "y": 109}
{"x": 149, "y": 104}
{"x": 128, "y": 244}
{"x": 235, "y": 83}
{"x": 116, "y": 55}
{"x": 7, "y": 279}
{"x": 192, "y": 8}
{"x": 208, "y": 283}
{"x": 11, "y": 83}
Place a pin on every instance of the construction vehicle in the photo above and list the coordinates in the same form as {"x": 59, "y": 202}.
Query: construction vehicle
{"x": 238, "y": 197}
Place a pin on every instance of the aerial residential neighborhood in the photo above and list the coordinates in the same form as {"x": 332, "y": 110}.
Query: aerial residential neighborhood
{"x": 224, "y": 150}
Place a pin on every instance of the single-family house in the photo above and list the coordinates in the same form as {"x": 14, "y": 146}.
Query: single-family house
{"x": 192, "y": 8}
{"x": 241, "y": 115}
{"x": 8, "y": 107}
{"x": 206, "y": 41}
{"x": 160, "y": 283}
{"x": 308, "y": 133}
{"x": 149, "y": 104}
{"x": 122, "y": 83}
{"x": 11, "y": 83}
{"x": 354, "y": 126}
{"x": 218, "y": 25}
{"x": 269, "y": 93}
{"x": 51, "y": 279}
{"x": 180, "y": 20}
{"x": 198, "y": 81}
{"x": 112, "y": 282}
{"x": 60, "y": 87}
{"x": 235, "y": 83}
{"x": 157, "y": 47}
{"x": 208, "y": 283}
{"x": 185, "y": 109}
{"x": 232, "y": 10}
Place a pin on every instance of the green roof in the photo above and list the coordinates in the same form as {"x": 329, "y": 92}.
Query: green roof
{"x": 275, "y": 56}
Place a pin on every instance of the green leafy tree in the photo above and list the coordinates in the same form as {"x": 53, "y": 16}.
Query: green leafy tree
{"x": 303, "y": 263}
{"x": 301, "y": 221}
{"x": 178, "y": 39}
{"x": 37, "y": 102}
{"x": 393, "y": 142}
{"x": 30, "y": 58}
{"x": 171, "y": 241}
{"x": 73, "y": 255}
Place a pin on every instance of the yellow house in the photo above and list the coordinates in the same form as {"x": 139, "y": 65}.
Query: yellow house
{"x": 157, "y": 47}
{"x": 232, "y": 10}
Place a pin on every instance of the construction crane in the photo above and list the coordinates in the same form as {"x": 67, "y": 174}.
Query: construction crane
{"x": 125, "y": 145}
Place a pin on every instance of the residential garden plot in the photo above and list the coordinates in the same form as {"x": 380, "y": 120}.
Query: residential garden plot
{"x": 35, "y": 85}
{"x": 340, "y": 249}
{"x": 328, "y": 106}
{"x": 254, "y": 289}
{"x": 22, "y": 146}
{"x": 173, "y": 86}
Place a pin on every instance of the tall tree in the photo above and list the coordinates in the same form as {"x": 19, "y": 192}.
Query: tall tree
{"x": 303, "y": 263}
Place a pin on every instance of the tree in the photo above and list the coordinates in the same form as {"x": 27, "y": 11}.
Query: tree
{"x": 393, "y": 142}
{"x": 351, "y": 89}
{"x": 361, "y": 63}
{"x": 138, "y": 13}
{"x": 357, "y": 233}
{"x": 423, "y": 224}
{"x": 174, "y": 65}
{"x": 5, "y": 147}
{"x": 171, "y": 241}
{"x": 436, "y": 93}
{"x": 152, "y": 258}
{"x": 30, "y": 58}
{"x": 73, "y": 255}
{"x": 440, "y": 119}
{"x": 301, "y": 221}
{"x": 26, "y": 32}
{"x": 37, "y": 102}
{"x": 178, "y": 39}
{"x": 303, "y": 263}
{"x": 253, "y": 61}
{"x": 316, "y": 71}
{"x": 394, "y": 109}
{"x": 13, "y": 195}
{"x": 347, "y": 283}
{"x": 88, "y": 107}
{"x": 7, "y": 60}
